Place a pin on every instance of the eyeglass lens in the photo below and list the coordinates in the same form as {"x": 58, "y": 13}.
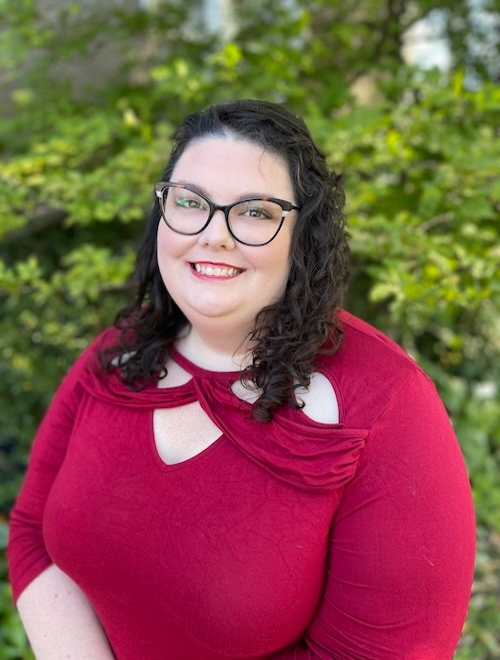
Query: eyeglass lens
{"x": 251, "y": 221}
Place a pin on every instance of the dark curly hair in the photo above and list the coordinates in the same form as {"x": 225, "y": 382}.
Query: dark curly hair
{"x": 289, "y": 334}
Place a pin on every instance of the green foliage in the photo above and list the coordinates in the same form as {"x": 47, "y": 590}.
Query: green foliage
{"x": 13, "y": 642}
{"x": 84, "y": 132}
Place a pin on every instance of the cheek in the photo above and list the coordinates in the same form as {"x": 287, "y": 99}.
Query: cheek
{"x": 276, "y": 266}
{"x": 163, "y": 239}
{"x": 168, "y": 244}
{"x": 160, "y": 240}
{"x": 165, "y": 255}
{"x": 282, "y": 258}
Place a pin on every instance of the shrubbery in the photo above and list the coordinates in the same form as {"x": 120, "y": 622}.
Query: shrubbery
{"x": 421, "y": 167}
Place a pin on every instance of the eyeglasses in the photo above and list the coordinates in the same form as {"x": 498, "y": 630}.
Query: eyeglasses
{"x": 255, "y": 221}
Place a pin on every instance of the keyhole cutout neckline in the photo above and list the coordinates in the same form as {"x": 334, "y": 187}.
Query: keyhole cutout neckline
{"x": 322, "y": 403}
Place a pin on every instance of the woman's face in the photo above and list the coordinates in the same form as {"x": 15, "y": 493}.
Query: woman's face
{"x": 216, "y": 281}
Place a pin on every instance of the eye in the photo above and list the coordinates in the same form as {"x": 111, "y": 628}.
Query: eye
{"x": 259, "y": 213}
{"x": 258, "y": 210}
{"x": 194, "y": 202}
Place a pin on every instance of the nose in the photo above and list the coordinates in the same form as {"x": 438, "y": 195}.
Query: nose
{"x": 217, "y": 233}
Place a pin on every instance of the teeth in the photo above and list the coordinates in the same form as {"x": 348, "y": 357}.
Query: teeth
{"x": 216, "y": 271}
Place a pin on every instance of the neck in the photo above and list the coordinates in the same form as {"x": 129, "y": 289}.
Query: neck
{"x": 215, "y": 352}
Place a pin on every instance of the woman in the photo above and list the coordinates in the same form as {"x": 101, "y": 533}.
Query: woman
{"x": 238, "y": 469}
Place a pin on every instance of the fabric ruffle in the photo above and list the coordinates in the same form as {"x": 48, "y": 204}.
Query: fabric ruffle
{"x": 295, "y": 449}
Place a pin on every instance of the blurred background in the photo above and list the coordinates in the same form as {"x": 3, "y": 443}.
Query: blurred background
{"x": 403, "y": 97}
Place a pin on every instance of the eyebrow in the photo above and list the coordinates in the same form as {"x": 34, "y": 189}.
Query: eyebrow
{"x": 205, "y": 192}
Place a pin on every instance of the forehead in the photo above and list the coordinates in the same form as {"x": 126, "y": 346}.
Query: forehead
{"x": 232, "y": 162}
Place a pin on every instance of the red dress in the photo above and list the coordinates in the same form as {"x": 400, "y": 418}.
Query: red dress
{"x": 288, "y": 539}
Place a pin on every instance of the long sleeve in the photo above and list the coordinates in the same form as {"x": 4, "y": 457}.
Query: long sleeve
{"x": 27, "y": 555}
{"x": 402, "y": 543}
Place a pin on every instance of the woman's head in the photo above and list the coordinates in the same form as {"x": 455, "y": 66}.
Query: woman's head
{"x": 289, "y": 332}
{"x": 319, "y": 240}
{"x": 221, "y": 252}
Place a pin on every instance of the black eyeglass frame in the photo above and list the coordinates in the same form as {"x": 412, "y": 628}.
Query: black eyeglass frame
{"x": 285, "y": 206}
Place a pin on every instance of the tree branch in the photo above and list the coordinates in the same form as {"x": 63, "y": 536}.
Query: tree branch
{"x": 43, "y": 217}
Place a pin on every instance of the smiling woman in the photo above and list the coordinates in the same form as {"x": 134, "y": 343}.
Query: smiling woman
{"x": 239, "y": 468}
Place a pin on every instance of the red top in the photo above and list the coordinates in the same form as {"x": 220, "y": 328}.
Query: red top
{"x": 288, "y": 539}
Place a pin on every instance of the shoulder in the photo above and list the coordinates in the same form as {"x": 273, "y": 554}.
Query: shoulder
{"x": 105, "y": 339}
{"x": 361, "y": 338}
{"x": 88, "y": 359}
{"x": 366, "y": 351}
{"x": 368, "y": 370}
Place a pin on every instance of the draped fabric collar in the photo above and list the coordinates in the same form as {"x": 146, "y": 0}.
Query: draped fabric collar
{"x": 294, "y": 448}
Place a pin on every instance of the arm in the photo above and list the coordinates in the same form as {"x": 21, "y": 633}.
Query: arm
{"x": 59, "y": 620}
{"x": 402, "y": 543}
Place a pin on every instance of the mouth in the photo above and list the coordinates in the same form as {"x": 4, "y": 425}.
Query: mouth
{"x": 213, "y": 270}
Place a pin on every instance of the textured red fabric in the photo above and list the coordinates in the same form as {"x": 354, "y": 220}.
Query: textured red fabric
{"x": 292, "y": 539}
